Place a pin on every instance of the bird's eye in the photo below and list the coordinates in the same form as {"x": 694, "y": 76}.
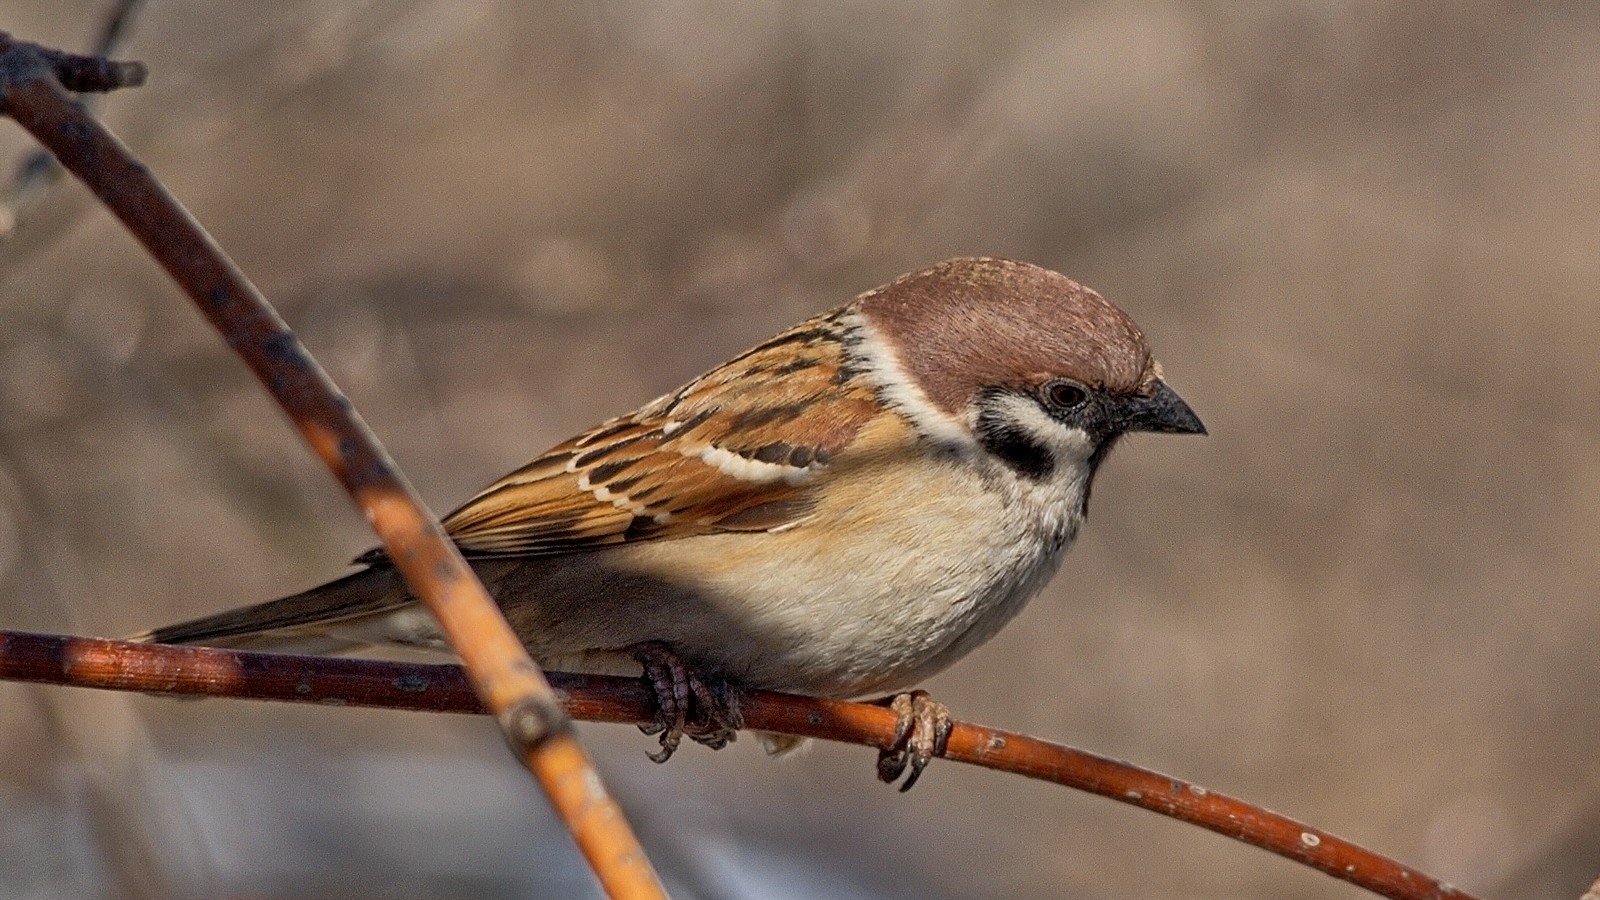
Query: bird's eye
{"x": 1062, "y": 394}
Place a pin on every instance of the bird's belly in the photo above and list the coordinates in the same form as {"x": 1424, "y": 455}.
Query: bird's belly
{"x": 849, "y": 644}
{"x": 853, "y": 614}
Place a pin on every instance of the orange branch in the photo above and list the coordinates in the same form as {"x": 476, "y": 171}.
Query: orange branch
{"x": 150, "y": 668}
{"x": 509, "y": 682}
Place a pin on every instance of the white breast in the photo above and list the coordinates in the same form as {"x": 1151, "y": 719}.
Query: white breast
{"x": 873, "y": 593}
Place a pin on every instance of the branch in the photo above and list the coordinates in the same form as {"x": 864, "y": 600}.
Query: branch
{"x": 22, "y": 62}
{"x": 151, "y": 668}
{"x": 509, "y": 682}
{"x": 38, "y": 170}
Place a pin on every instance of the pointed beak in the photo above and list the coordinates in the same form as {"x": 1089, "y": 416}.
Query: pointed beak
{"x": 1163, "y": 411}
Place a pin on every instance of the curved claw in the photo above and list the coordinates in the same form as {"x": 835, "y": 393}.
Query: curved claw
{"x": 677, "y": 689}
{"x": 921, "y": 733}
{"x": 720, "y": 717}
{"x": 670, "y": 680}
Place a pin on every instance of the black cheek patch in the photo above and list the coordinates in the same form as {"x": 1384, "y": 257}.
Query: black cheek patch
{"x": 1014, "y": 446}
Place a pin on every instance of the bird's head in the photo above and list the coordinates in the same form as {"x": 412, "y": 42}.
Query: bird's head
{"x": 1034, "y": 368}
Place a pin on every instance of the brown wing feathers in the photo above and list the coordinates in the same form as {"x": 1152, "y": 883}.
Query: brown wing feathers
{"x": 726, "y": 452}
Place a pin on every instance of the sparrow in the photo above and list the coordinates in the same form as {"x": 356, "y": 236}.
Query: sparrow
{"x": 842, "y": 510}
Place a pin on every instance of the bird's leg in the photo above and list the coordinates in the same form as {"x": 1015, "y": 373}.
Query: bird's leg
{"x": 670, "y": 680}
{"x": 677, "y": 690}
{"x": 922, "y": 732}
{"x": 720, "y": 718}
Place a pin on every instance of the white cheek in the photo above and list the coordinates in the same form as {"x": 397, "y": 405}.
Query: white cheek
{"x": 1055, "y": 502}
{"x": 1069, "y": 445}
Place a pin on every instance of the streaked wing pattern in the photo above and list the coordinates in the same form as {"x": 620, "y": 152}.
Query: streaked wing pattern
{"x": 738, "y": 449}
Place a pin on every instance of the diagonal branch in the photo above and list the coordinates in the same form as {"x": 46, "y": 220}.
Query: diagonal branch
{"x": 509, "y": 682}
{"x": 150, "y": 668}
{"x": 38, "y": 171}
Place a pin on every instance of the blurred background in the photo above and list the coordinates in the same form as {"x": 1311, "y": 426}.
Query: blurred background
{"x": 1362, "y": 236}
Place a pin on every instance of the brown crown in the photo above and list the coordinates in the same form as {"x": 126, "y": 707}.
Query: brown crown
{"x": 971, "y": 323}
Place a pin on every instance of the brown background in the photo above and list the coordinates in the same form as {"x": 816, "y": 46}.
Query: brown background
{"x": 1363, "y": 237}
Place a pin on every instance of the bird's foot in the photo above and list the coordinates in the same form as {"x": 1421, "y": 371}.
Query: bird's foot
{"x": 686, "y": 705}
{"x": 922, "y": 732}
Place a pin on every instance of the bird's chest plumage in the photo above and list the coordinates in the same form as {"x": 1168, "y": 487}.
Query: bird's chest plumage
{"x": 906, "y": 567}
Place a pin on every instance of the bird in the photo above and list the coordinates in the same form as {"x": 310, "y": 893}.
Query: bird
{"x": 842, "y": 510}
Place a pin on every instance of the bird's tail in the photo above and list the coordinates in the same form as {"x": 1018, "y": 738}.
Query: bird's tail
{"x": 353, "y": 611}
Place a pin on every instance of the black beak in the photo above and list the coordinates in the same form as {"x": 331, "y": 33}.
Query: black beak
{"x": 1163, "y": 411}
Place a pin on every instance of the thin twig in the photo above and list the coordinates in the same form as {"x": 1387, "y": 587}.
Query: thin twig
{"x": 498, "y": 665}
{"x": 23, "y": 63}
{"x": 151, "y": 668}
{"x": 38, "y": 171}
{"x": 115, "y": 26}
